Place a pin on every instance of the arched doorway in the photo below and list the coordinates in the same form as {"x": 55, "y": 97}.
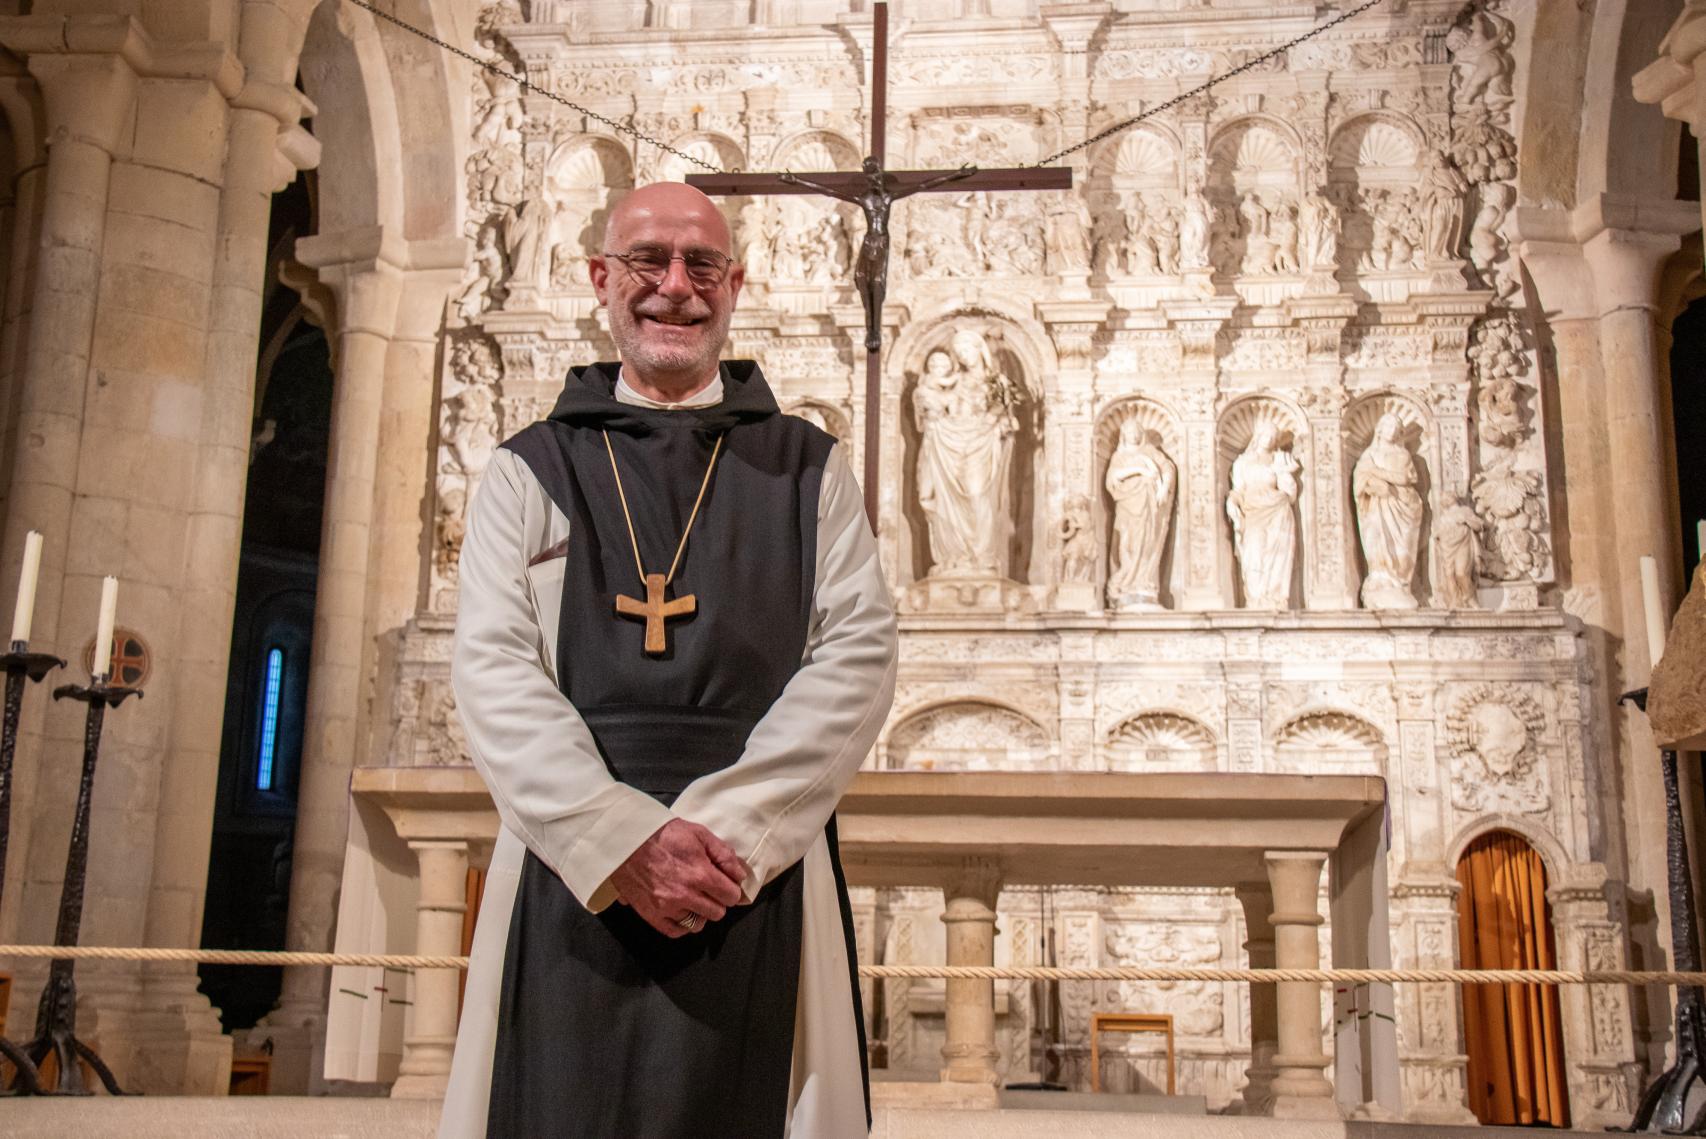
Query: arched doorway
{"x": 1514, "y": 1033}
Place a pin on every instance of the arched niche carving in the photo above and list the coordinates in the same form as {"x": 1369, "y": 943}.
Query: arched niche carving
{"x": 1420, "y": 437}
{"x": 1255, "y": 159}
{"x": 718, "y": 150}
{"x": 1161, "y": 426}
{"x": 1375, "y": 165}
{"x": 968, "y": 735}
{"x": 826, "y": 417}
{"x": 1330, "y": 741}
{"x": 796, "y": 239}
{"x": 1161, "y": 741}
{"x": 1018, "y": 364}
{"x": 585, "y": 178}
{"x": 1239, "y": 425}
{"x": 1144, "y": 158}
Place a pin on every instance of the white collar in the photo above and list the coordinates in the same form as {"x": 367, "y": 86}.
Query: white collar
{"x": 708, "y": 396}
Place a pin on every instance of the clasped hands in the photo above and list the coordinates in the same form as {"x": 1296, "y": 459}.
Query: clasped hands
{"x": 681, "y": 869}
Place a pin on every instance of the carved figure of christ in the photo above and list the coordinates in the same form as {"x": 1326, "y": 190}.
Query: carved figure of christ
{"x": 875, "y": 190}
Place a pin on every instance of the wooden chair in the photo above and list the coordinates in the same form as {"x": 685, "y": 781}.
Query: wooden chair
{"x": 251, "y": 1075}
{"x": 1101, "y": 1022}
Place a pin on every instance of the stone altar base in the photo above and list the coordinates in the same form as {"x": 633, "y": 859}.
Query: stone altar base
{"x": 292, "y": 1117}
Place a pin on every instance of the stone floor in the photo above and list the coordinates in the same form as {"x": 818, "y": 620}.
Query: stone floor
{"x": 281, "y": 1117}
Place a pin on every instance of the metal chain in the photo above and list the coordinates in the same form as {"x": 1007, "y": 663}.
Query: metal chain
{"x": 1247, "y": 65}
{"x": 525, "y": 85}
{"x": 640, "y": 136}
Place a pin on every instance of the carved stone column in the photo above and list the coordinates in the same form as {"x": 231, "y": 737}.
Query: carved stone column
{"x": 1431, "y": 1061}
{"x": 1300, "y": 1089}
{"x": 363, "y": 269}
{"x": 1202, "y": 511}
{"x": 1605, "y": 1079}
{"x": 1070, "y": 438}
{"x": 1258, "y": 901}
{"x": 424, "y": 1070}
{"x": 969, "y": 1055}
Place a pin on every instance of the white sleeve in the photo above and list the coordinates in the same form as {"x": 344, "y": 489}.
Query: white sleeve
{"x": 531, "y": 747}
{"x": 773, "y": 802}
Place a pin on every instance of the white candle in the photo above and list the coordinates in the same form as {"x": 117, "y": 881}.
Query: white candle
{"x": 1655, "y": 609}
{"x": 103, "y": 662}
{"x": 1700, "y": 540}
{"x": 24, "y": 615}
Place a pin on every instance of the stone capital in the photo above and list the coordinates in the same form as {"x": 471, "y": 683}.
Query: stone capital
{"x": 1626, "y": 265}
{"x": 363, "y": 270}
{"x": 87, "y": 98}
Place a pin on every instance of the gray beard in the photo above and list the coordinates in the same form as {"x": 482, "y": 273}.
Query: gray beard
{"x": 629, "y": 344}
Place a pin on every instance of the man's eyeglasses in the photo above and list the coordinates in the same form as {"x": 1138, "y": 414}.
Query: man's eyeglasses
{"x": 705, "y": 268}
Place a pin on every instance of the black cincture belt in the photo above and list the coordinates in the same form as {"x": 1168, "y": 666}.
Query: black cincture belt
{"x": 661, "y": 748}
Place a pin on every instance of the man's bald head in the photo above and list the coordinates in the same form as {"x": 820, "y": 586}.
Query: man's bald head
{"x": 669, "y": 330}
{"x": 675, "y": 204}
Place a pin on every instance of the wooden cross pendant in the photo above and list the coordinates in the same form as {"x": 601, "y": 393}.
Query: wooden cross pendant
{"x": 655, "y": 611}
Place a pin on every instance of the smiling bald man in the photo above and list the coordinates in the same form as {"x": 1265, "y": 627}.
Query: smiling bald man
{"x": 674, "y": 647}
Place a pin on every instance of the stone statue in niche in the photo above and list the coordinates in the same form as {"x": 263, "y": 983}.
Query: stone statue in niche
{"x": 1318, "y": 223}
{"x": 1282, "y": 239}
{"x": 526, "y": 232}
{"x": 1389, "y": 516}
{"x": 1253, "y": 218}
{"x": 1077, "y": 541}
{"x": 485, "y": 270}
{"x": 1443, "y": 188}
{"x": 1264, "y": 521}
{"x": 1456, "y": 555}
{"x": 1142, "y": 481}
{"x": 1067, "y": 234}
{"x": 1397, "y": 231}
{"x": 1108, "y": 236}
{"x": 1196, "y": 219}
{"x": 963, "y": 408}
{"x": 759, "y": 225}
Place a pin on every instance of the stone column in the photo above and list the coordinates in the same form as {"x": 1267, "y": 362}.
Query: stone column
{"x": 89, "y": 103}
{"x": 263, "y": 117}
{"x": 1300, "y": 1089}
{"x": 424, "y": 1070}
{"x": 970, "y": 1053}
{"x": 1258, "y": 901}
{"x": 1588, "y": 929}
{"x": 1624, "y": 265}
{"x": 363, "y": 270}
{"x": 1207, "y": 545}
{"x": 1432, "y": 1064}
{"x": 20, "y": 98}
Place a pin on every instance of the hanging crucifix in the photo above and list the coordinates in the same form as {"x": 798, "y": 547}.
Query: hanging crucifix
{"x": 875, "y": 190}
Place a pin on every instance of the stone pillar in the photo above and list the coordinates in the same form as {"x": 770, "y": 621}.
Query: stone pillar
{"x": 1300, "y": 1089}
{"x": 89, "y": 103}
{"x": 1258, "y": 901}
{"x": 363, "y": 270}
{"x": 1207, "y": 547}
{"x": 424, "y": 1070}
{"x": 1588, "y": 929}
{"x": 263, "y": 116}
{"x": 20, "y": 98}
{"x": 970, "y": 1053}
{"x": 1432, "y": 1064}
{"x": 1624, "y": 265}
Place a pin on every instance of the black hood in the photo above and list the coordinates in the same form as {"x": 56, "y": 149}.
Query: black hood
{"x": 589, "y": 400}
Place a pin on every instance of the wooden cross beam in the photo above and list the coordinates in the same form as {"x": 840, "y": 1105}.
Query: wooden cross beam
{"x": 875, "y": 190}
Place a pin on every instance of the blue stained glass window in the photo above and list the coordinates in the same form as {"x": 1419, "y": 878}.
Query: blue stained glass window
{"x": 269, "y": 719}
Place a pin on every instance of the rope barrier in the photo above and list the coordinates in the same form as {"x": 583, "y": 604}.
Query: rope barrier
{"x": 408, "y": 962}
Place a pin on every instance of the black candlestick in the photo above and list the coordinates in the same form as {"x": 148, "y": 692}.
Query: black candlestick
{"x": 19, "y": 664}
{"x": 1663, "y": 1108}
{"x": 56, "y": 1016}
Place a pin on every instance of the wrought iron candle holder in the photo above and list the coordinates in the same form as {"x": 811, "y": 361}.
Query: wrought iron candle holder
{"x": 20, "y": 664}
{"x": 56, "y": 1016}
{"x": 1664, "y": 1106}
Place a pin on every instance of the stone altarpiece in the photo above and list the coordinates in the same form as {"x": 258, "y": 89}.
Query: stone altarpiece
{"x": 1238, "y": 302}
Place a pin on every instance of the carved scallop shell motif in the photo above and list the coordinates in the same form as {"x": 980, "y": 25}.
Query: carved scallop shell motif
{"x": 1253, "y": 149}
{"x": 1145, "y": 156}
{"x": 1149, "y": 414}
{"x": 1239, "y": 424}
{"x": 719, "y": 152}
{"x": 1160, "y": 739}
{"x": 820, "y": 150}
{"x": 1331, "y": 731}
{"x": 1363, "y": 415}
{"x": 1374, "y": 143}
{"x": 589, "y": 164}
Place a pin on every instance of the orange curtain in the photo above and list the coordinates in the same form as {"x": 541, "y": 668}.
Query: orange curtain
{"x": 1515, "y": 1038}
{"x": 472, "y": 893}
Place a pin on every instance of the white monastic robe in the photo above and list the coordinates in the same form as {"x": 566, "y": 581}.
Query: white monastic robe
{"x": 558, "y": 800}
